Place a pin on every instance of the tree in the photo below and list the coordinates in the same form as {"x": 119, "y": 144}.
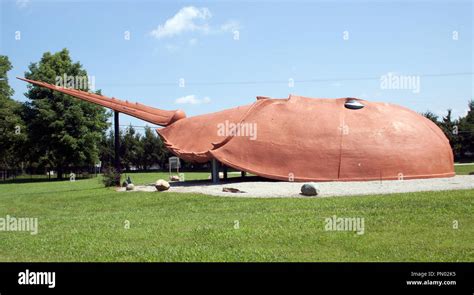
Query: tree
{"x": 130, "y": 149}
{"x": 12, "y": 127}
{"x": 460, "y": 133}
{"x": 5, "y": 90}
{"x": 153, "y": 149}
{"x": 432, "y": 116}
{"x": 137, "y": 150}
{"x": 466, "y": 132}
{"x": 450, "y": 128}
{"x": 107, "y": 149}
{"x": 164, "y": 153}
{"x": 64, "y": 131}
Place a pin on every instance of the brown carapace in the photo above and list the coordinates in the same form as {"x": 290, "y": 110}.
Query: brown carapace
{"x": 299, "y": 138}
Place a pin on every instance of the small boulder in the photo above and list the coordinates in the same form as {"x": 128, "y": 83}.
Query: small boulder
{"x": 130, "y": 187}
{"x": 310, "y": 189}
{"x": 127, "y": 182}
{"x": 174, "y": 178}
{"x": 162, "y": 185}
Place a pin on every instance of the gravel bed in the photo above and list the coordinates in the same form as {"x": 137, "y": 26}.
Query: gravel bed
{"x": 276, "y": 189}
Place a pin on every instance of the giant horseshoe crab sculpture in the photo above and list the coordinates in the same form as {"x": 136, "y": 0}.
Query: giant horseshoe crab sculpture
{"x": 301, "y": 139}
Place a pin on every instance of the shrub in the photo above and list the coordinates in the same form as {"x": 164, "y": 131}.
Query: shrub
{"x": 111, "y": 177}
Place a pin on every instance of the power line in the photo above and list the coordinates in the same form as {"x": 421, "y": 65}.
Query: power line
{"x": 249, "y": 82}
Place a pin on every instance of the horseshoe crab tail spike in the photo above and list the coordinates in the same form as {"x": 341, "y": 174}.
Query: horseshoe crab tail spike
{"x": 146, "y": 113}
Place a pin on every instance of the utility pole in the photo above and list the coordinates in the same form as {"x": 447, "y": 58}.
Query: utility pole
{"x": 117, "y": 143}
{"x": 215, "y": 171}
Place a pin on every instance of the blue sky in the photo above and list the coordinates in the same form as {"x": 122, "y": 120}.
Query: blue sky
{"x": 323, "y": 46}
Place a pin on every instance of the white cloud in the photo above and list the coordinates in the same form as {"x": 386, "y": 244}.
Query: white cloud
{"x": 230, "y": 26}
{"x": 192, "y": 19}
{"x": 192, "y": 99}
{"x": 22, "y": 3}
{"x": 188, "y": 18}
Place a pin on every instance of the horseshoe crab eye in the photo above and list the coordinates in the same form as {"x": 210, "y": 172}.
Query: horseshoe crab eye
{"x": 353, "y": 104}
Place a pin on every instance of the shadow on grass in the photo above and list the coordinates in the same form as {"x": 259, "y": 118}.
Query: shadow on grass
{"x": 208, "y": 182}
{"x": 36, "y": 180}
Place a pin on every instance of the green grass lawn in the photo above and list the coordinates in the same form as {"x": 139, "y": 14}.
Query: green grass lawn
{"x": 82, "y": 221}
{"x": 464, "y": 169}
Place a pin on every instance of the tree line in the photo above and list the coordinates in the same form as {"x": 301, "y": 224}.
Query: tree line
{"x": 137, "y": 151}
{"x": 460, "y": 132}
